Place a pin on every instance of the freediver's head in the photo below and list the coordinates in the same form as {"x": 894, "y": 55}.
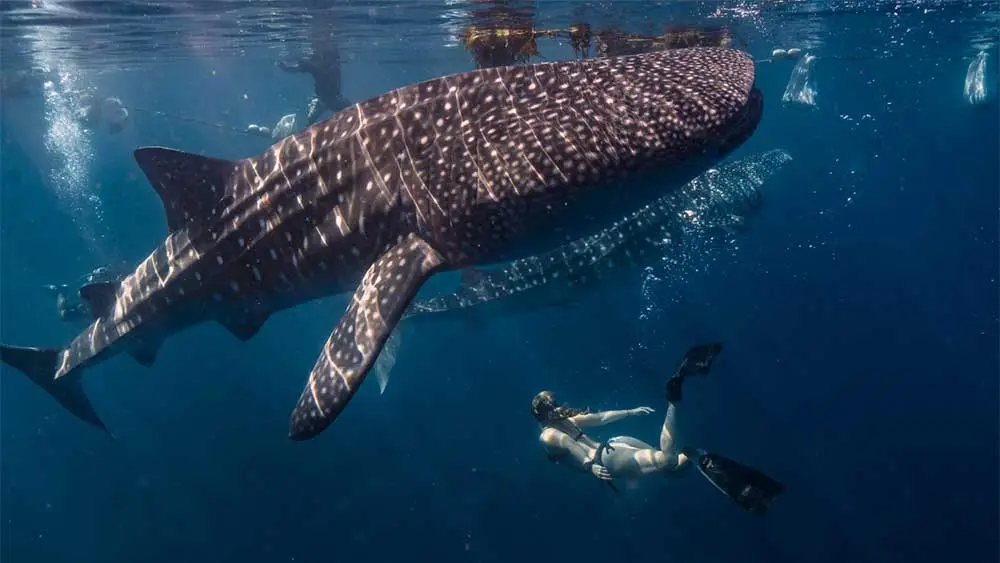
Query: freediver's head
{"x": 542, "y": 405}
{"x": 546, "y": 409}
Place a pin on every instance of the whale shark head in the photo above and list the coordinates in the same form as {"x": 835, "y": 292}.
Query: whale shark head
{"x": 719, "y": 98}
{"x": 745, "y": 123}
{"x": 730, "y": 196}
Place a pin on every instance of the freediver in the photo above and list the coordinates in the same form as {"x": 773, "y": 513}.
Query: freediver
{"x": 283, "y": 128}
{"x": 70, "y": 305}
{"x": 111, "y": 112}
{"x": 69, "y": 309}
{"x": 323, "y": 64}
{"x": 628, "y": 458}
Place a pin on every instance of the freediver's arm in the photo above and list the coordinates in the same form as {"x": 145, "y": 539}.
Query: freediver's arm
{"x": 606, "y": 417}
{"x": 290, "y": 67}
{"x": 555, "y": 441}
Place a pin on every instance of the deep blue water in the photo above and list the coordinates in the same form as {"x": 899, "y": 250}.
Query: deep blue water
{"x": 859, "y": 311}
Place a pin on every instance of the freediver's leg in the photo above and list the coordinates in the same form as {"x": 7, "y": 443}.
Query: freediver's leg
{"x": 667, "y": 430}
{"x": 697, "y": 361}
{"x": 630, "y": 457}
{"x": 628, "y": 461}
{"x": 630, "y": 441}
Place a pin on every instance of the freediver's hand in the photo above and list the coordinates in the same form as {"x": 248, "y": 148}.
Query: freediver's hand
{"x": 641, "y": 410}
{"x": 600, "y": 472}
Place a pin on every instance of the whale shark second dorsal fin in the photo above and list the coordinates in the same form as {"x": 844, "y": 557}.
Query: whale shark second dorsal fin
{"x": 189, "y": 185}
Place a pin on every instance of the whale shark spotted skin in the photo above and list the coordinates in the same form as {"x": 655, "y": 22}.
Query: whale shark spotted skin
{"x": 468, "y": 169}
{"x": 722, "y": 197}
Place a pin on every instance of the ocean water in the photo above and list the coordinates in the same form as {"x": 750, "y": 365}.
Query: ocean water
{"x": 859, "y": 310}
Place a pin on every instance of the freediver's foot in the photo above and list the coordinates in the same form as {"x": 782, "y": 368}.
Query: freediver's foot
{"x": 691, "y": 453}
{"x": 674, "y": 393}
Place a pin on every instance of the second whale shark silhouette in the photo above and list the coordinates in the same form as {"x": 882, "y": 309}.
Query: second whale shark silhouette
{"x": 468, "y": 169}
{"x": 723, "y": 198}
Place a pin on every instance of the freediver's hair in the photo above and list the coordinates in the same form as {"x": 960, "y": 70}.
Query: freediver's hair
{"x": 546, "y": 410}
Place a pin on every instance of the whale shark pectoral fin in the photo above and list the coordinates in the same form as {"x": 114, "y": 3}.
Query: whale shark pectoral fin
{"x": 99, "y": 297}
{"x": 190, "y": 185}
{"x": 387, "y": 359}
{"x": 40, "y": 364}
{"x": 376, "y": 307}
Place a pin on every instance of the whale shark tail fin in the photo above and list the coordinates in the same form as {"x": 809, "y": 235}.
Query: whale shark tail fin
{"x": 40, "y": 364}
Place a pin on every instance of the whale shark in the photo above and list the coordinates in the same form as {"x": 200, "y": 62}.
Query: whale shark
{"x": 464, "y": 170}
{"x": 724, "y": 198}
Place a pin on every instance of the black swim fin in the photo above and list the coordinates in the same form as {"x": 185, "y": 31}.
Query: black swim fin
{"x": 750, "y": 489}
{"x": 698, "y": 359}
{"x": 39, "y": 364}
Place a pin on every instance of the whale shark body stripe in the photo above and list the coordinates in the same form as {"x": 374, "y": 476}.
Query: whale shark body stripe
{"x": 473, "y": 168}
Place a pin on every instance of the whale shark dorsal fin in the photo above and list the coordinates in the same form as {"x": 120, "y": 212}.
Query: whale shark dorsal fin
{"x": 387, "y": 288}
{"x": 99, "y": 297}
{"x": 189, "y": 185}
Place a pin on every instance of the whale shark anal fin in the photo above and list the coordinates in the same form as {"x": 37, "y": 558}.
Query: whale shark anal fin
{"x": 387, "y": 288}
{"x": 145, "y": 351}
{"x": 244, "y": 325}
